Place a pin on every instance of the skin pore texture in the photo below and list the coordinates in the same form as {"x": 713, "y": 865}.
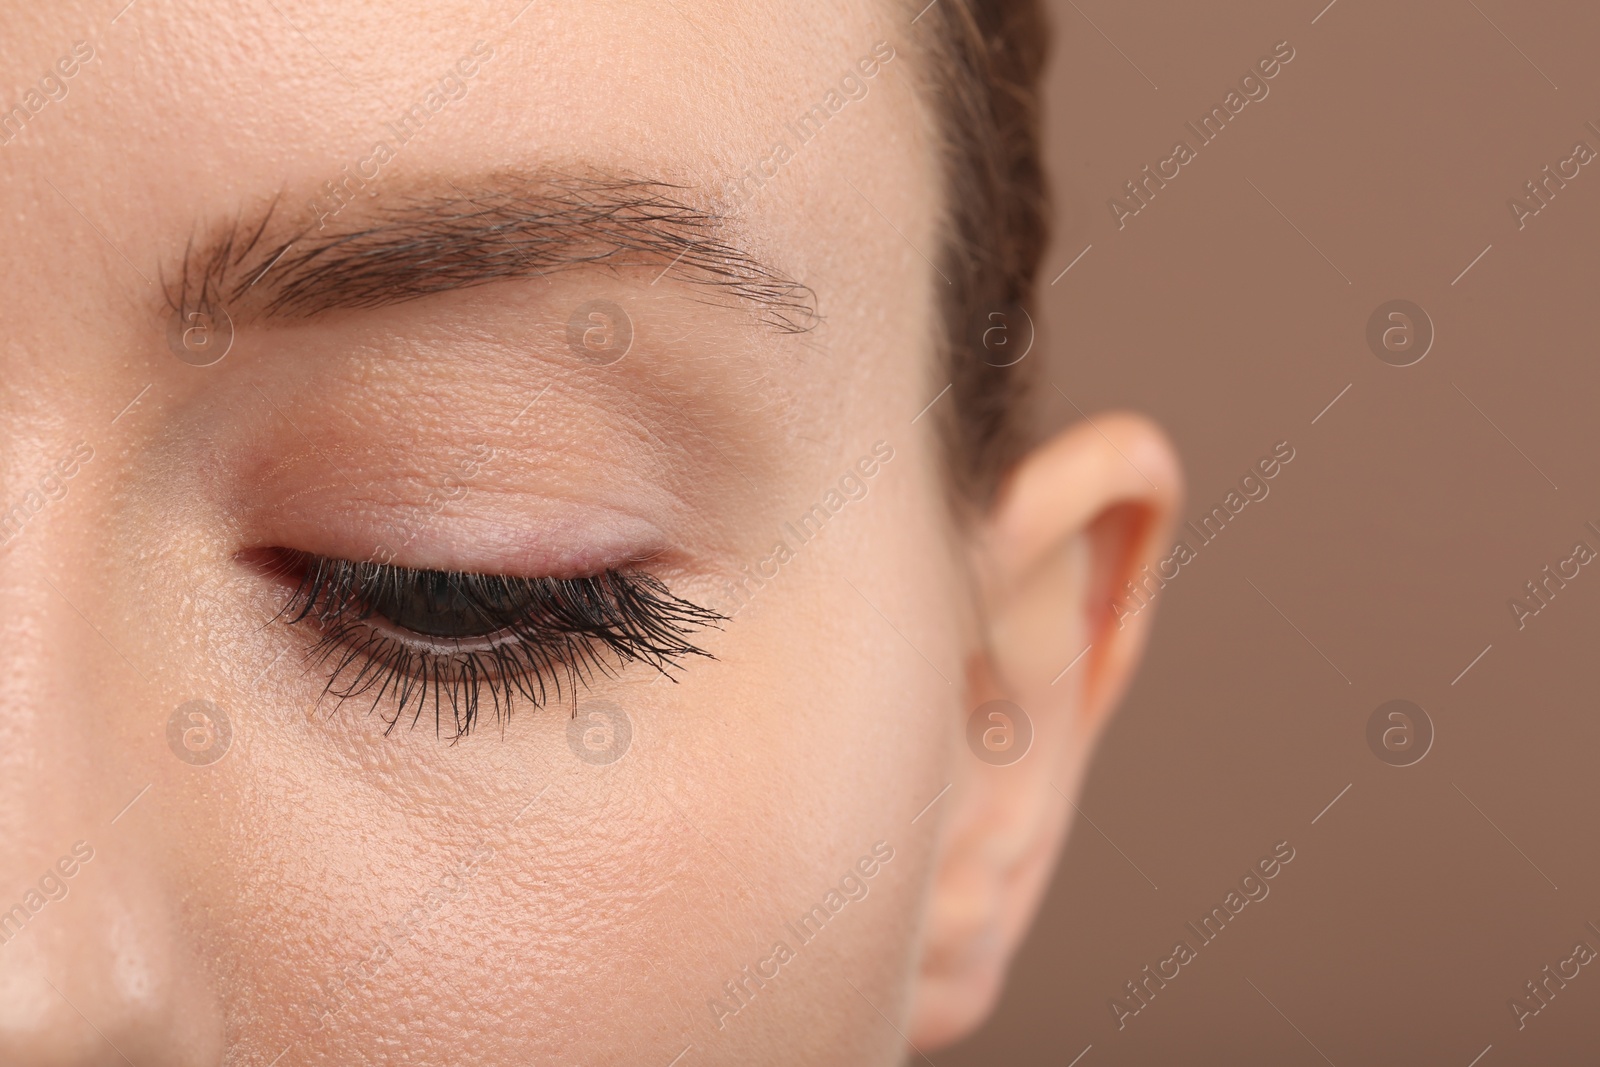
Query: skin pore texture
{"x": 330, "y": 892}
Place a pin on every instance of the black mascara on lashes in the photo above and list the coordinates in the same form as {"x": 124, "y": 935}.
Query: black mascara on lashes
{"x": 410, "y": 638}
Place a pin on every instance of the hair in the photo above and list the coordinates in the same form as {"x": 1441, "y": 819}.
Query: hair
{"x": 984, "y": 61}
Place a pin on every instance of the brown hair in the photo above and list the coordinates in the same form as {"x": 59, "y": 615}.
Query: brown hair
{"x": 984, "y": 60}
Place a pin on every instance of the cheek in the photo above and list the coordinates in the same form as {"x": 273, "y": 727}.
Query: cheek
{"x": 820, "y": 730}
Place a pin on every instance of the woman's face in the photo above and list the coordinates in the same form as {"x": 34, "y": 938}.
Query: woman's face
{"x": 496, "y": 343}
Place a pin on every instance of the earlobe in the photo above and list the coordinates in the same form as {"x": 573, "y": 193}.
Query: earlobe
{"x": 1078, "y": 518}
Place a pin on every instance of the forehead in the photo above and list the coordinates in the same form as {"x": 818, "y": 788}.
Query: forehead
{"x": 202, "y": 111}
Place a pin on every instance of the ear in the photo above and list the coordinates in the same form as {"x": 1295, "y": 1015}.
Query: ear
{"x": 1078, "y": 519}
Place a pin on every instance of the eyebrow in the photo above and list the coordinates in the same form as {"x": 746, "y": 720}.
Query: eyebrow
{"x": 462, "y": 234}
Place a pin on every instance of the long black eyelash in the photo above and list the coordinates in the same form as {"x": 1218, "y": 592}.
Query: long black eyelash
{"x": 546, "y": 629}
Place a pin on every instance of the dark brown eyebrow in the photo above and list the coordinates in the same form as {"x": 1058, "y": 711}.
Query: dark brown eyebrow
{"x": 464, "y": 233}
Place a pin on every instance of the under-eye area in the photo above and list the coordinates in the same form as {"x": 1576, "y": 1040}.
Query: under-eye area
{"x": 453, "y": 645}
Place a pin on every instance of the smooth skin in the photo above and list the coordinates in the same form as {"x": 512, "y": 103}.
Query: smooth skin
{"x": 553, "y": 910}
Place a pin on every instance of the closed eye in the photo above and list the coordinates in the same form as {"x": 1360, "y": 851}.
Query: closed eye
{"x": 411, "y": 638}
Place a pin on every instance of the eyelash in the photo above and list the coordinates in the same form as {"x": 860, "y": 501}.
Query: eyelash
{"x": 535, "y": 632}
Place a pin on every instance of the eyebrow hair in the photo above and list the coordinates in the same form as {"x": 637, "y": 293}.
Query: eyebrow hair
{"x": 504, "y": 226}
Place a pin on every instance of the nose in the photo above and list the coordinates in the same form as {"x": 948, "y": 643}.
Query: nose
{"x": 99, "y": 977}
{"x": 99, "y": 961}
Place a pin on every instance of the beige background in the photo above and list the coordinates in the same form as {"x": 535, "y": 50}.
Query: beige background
{"x": 1416, "y": 507}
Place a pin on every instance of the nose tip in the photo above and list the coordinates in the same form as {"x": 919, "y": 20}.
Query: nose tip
{"x": 38, "y": 1026}
{"x": 102, "y": 977}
